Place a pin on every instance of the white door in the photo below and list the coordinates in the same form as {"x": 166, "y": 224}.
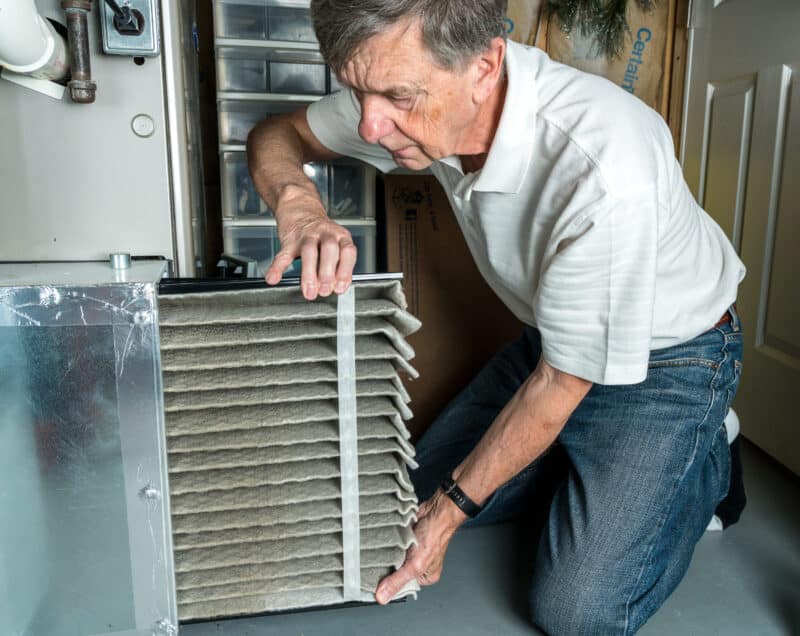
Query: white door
{"x": 740, "y": 151}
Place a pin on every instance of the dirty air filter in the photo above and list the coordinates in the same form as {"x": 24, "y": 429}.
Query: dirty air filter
{"x": 287, "y": 450}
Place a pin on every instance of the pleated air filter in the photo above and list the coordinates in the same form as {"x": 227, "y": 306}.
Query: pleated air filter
{"x": 288, "y": 454}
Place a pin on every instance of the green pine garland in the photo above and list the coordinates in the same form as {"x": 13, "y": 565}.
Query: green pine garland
{"x": 602, "y": 19}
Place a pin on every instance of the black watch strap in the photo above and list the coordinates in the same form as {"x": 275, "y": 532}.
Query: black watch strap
{"x": 465, "y": 504}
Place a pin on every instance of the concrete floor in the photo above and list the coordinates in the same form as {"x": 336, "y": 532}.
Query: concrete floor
{"x": 743, "y": 581}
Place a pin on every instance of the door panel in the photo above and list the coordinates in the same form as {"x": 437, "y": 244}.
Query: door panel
{"x": 741, "y": 156}
{"x": 783, "y": 305}
{"x": 731, "y": 116}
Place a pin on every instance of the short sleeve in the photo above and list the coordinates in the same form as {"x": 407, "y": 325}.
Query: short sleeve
{"x": 594, "y": 303}
{"x": 334, "y": 121}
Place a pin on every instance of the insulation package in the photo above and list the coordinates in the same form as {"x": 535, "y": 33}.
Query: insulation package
{"x": 288, "y": 454}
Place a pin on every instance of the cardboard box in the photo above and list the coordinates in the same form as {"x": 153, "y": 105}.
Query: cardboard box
{"x": 463, "y": 321}
{"x": 643, "y": 65}
{"x": 522, "y": 20}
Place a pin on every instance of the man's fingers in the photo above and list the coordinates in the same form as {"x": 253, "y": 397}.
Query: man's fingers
{"x": 328, "y": 258}
{"x": 392, "y": 584}
{"x": 309, "y": 252}
{"x": 280, "y": 264}
{"x": 347, "y": 261}
{"x": 422, "y": 512}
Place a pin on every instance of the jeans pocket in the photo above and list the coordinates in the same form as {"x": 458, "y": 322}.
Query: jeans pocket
{"x": 719, "y": 467}
{"x": 734, "y": 385}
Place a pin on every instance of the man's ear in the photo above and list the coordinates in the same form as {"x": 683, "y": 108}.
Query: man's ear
{"x": 488, "y": 69}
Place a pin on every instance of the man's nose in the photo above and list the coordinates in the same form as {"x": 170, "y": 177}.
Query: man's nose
{"x": 375, "y": 123}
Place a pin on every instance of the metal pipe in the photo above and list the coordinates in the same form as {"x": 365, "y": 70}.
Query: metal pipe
{"x": 81, "y": 87}
{"x": 119, "y": 260}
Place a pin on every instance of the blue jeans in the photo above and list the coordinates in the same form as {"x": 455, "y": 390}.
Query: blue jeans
{"x": 646, "y": 465}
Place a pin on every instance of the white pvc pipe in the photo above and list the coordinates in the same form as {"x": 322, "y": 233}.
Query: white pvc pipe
{"x": 28, "y": 43}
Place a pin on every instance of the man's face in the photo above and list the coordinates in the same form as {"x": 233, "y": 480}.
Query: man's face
{"x": 411, "y": 106}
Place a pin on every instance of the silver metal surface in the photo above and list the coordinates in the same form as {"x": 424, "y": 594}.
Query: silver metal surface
{"x": 63, "y": 166}
{"x": 81, "y": 436}
{"x": 119, "y": 260}
{"x": 184, "y": 144}
{"x": 116, "y": 43}
{"x": 57, "y": 275}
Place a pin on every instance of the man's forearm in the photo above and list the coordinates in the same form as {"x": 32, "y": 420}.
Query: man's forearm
{"x": 522, "y": 431}
{"x": 525, "y": 428}
{"x": 277, "y": 148}
{"x": 275, "y": 157}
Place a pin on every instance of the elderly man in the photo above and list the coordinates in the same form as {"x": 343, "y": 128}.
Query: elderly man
{"x": 576, "y": 212}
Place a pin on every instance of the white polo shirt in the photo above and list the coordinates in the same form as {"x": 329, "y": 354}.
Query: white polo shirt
{"x": 580, "y": 219}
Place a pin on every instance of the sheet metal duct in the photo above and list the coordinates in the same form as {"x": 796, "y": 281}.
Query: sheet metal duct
{"x": 221, "y": 477}
{"x": 85, "y": 541}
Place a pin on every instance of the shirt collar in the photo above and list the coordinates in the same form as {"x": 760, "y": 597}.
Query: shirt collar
{"x": 512, "y": 147}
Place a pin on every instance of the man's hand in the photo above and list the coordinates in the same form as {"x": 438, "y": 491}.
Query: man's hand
{"x": 326, "y": 248}
{"x": 527, "y": 426}
{"x": 277, "y": 148}
{"x": 437, "y": 520}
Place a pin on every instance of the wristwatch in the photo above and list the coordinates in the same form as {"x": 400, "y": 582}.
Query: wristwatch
{"x": 465, "y": 504}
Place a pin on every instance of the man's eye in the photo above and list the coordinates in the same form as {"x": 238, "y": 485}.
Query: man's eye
{"x": 402, "y": 101}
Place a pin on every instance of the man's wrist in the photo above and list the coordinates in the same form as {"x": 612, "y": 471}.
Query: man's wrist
{"x": 448, "y": 512}
{"x": 460, "y": 499}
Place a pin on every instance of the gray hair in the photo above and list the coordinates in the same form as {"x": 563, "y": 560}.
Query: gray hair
{"x": 453, "y": 30}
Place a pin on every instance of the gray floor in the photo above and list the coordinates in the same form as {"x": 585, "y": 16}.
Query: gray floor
{"x": 745, "y": 581}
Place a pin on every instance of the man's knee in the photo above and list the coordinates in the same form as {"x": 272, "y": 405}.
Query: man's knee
{"x": 567, "y": 605}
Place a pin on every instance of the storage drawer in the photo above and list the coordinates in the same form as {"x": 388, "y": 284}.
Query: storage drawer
{"x": 290, "y": 24}
{"x": 298, "y": 78}
{"x": 242, "y": 20}
{"x": 242, "y": 70}
{"x": 264, "y": 70}
{"x": 346, "y": 189}
{"x": 239, "y": 195}
{"x": 281, "y": 20}
{"x": 352, "y": 191}
{"x": 237, "y": 118}
{"x": 261, "y": 243}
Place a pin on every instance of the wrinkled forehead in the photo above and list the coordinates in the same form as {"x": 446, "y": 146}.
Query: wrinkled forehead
{"x": 395, "y": 58}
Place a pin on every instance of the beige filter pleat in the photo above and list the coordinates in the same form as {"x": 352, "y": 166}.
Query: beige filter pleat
{"x": 251, "y": 403}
